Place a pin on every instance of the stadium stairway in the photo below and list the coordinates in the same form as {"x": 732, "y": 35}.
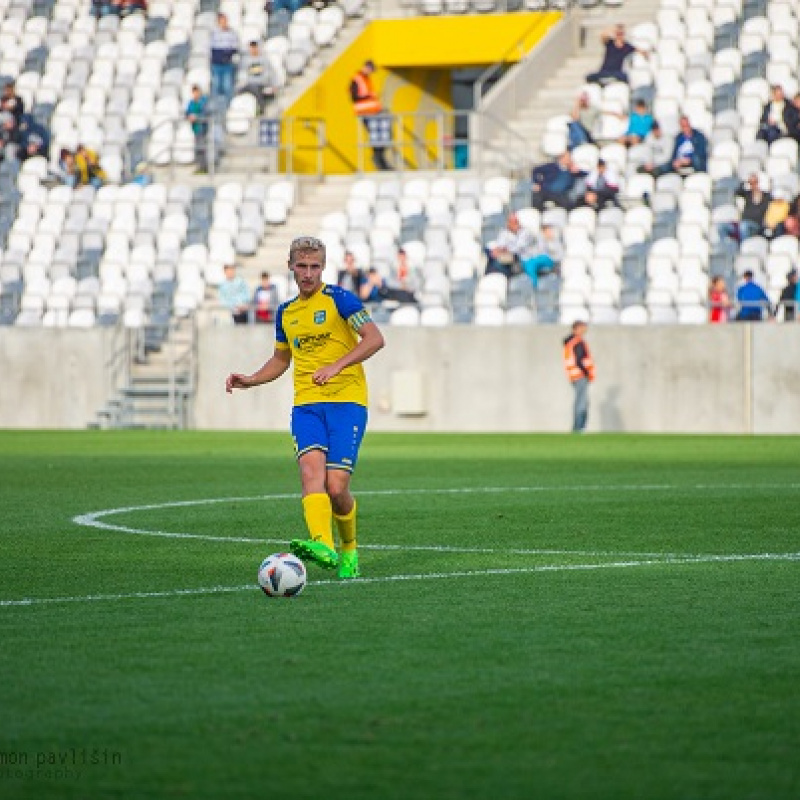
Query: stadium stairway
{"x": 315, "y": 199}
{"x": 160, "y": 385}
{"x": 243, "y": 153}
{"x": 557, "y": 94}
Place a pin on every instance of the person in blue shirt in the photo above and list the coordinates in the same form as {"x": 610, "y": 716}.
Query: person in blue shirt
{"x": 752, "y": 300}
{"x": 689, "y": 153}
{"x": 234, "y": 294}
{"x": 197, "y": 114}
{"x": 640, "y": 123}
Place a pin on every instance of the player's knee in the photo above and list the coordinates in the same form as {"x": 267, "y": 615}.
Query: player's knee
{"x": 312, "y": 477}
{"x": 338, "y": 487}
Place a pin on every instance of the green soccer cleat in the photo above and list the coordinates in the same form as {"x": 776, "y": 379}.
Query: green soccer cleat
{"x": 317, "y": 552}
{"x": 348, "y": 565}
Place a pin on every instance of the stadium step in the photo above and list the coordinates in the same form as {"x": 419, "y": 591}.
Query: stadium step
{"x": 160, "y": 385}
{"x": 557, "y": 94}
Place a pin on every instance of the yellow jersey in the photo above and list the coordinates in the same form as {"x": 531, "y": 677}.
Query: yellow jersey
{"x": 319, "y": 331}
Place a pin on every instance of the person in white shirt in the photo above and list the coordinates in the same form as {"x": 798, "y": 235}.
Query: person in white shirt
{"x": 513, "y": 245}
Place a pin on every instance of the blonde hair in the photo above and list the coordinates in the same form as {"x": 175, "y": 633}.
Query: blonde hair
{"x": 306, "y": 244}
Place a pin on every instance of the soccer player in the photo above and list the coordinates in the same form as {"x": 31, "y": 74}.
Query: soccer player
{"x": 328, "y": 333}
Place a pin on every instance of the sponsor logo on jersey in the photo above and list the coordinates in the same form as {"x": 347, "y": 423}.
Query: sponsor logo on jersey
{"x": 311, "y": 343}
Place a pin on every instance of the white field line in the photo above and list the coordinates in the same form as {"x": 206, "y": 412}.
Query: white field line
{"x": 94, "y": 519}
{"x": 210, "y": 590}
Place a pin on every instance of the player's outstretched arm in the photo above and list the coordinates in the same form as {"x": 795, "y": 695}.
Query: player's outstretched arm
{"x": 371, "y": 341}
{"x": 274, "y": 368}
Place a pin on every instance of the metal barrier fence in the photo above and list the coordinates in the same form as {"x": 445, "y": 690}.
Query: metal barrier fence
{"x": 438, "y": 141}
{"x": 273, "y": 144}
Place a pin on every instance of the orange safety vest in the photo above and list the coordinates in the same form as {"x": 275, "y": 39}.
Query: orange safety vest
{"x": 366, "y": 101}
{"x": 574, "y": 371}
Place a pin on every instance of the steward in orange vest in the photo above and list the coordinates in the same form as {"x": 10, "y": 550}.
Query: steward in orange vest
{"x": 367, "y": 105}
{"x": 365, "y": 101}
{"x": 580, "y": 371}
{"x": 577, "y": 359}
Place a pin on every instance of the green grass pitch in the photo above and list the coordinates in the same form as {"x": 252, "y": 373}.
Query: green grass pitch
{"x": 542, "y": 617}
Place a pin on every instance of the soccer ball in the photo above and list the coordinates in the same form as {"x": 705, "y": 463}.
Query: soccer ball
{"x": 282, "y": 575}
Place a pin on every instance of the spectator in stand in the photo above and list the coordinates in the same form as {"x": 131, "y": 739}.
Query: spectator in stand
{"x": 658, "y": 146}
{"x": 65, "y": 171}
{"x": 513, "y": 245}
{"x": 351, "y": 277}
{"x": 265, "y": 299}
{"x": 128, "y": 7}
{"x": 12, "y": 103}
{"x": 375, "y": 289}
{"x": 584, "y": 118}
{"x": 795, "y": 134}
{"x": 234, "y": 294}
{"x": 718, "y": 300}
{"x": 640, "y": 123}
{"x": 602, "y": 186}
{"x": 9, "y": 137}
{"x": 34, "y": 139}
{"x": 197, "y": 114}
{"x": 544, "y": 257}
{"x": 224, "y": 52}
{"x": 617, "y": 50}
{"x": 403, "y": 271}
{"x": 87, "y": 166}
{"x": 777, "y": 212}
{"x": 285, "y": 5}
{"x": 752, "y": 299}
{"x": 790, "y": 297}
{"x": 689, "y": 153}
{"x": 256, "y": 76}
{"x": 102, "y": 8}
{"x": 789, "y": 227}
{"x": 751, "y": 223}
{"x": 556, "y": 181}
{"x": 779, "y": 118}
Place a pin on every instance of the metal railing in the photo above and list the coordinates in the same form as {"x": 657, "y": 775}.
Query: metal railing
{"x": 272, "y": 145}
{"x": 428, "y": 141}
{"x": 175, "y": 388}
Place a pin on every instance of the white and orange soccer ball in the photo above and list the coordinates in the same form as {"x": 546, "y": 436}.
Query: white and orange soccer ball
{"x": 282, "y": 575}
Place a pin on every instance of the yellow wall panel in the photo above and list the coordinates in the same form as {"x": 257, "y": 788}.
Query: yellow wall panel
{"x": 413, "y": 59}
{"x": 442, "y": 41}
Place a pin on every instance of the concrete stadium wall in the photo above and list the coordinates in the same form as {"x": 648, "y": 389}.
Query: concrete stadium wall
{"x": 52, "y": 378}
{"x": 720, "y": 379}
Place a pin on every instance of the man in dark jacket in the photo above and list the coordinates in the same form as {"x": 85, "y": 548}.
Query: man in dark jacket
{"x": 556, "y": 181}
{"x": 779, "y": 118}
{"x": 689, "y": 153}
{"x": 34, "y": 139}
{"x": 790, "y": 297}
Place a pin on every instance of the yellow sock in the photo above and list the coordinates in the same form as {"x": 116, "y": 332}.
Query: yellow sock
{"x": 318, "y": 513}
{"x": 347, "y": 529}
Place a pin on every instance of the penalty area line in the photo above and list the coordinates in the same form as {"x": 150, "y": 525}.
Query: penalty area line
{"x": 500, "y": 571}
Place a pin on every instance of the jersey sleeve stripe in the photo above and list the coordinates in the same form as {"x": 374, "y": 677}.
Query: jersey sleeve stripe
{"x": 359, "y": 319}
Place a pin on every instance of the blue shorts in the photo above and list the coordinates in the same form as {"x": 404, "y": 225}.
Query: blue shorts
{"x": 335, "y": 428}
